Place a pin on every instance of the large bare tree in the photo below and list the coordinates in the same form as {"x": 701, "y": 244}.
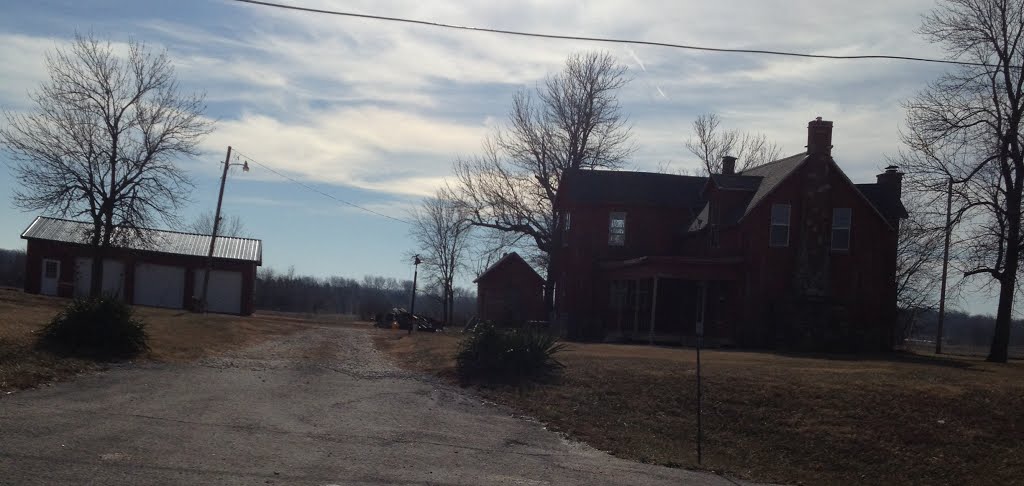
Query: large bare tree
{"x": 230, "y": 225}
{"x": 967, "y": 126}
{"x": 710, "y": 143}
{"x": 102, "y": 141}
{"x": 442, "y": 231}
{"x": 570, "y": 122}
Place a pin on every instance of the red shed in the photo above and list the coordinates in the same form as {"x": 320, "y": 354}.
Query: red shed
{"x": 510, "y": 292}
{"x": 164, "y": 269}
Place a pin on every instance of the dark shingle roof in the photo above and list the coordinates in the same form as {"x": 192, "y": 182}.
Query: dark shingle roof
{"x": 509, "y": 259}
{"x": 886, "y": 201}
{"x": 772, "y": 174}
{"x": 633, "y": 188}
{"x": 736, "y": 182}
{"x": 161, "y": 241}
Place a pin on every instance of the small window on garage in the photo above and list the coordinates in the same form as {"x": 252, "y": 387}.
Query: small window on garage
{"x": 51, "y": 269}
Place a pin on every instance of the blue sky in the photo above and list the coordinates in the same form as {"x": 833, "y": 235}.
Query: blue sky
{"x": 375, "y": 112}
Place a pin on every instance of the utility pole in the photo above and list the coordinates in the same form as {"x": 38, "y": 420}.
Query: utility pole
{"x": 702, "y": 293}
{"x": 412, "y": 305}
{"x": 216, "y": 226}
{"x": 945, "y": 266}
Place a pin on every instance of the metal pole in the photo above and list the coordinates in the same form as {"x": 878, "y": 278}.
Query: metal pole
{"x": 216, "y": 225}
{"x": 700, "y": 341}
{"x": 700, "y": 430}
{"x": 412, "y": 305}
{"x": 945, "y": 267}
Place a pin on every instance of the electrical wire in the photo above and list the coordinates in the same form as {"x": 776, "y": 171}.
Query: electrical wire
{"x": 322, "y": 193}
{"x": 612, "y": 40}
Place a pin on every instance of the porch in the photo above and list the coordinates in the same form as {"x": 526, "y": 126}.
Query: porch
{"x": 672, "y": 300}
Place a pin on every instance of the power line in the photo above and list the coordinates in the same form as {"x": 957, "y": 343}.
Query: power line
{"x": 606, "y": 39}
{"x": 318, "y": 191}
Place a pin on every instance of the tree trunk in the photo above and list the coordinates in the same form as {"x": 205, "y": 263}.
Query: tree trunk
{"x": 96, "y": 276}
{"x": 999, "y": 351}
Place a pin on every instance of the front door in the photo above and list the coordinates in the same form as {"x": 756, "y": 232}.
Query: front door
{"x": 51, "y": 275}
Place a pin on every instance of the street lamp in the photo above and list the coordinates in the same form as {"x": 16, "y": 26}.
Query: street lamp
{"x": 216, "y": 225}
{"x": 412, "y": 305}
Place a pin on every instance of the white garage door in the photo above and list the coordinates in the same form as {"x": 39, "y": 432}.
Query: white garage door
{"x": 159, "y": 285}
{"x": 113, "y": 277}
{"x": 225, "y": 293}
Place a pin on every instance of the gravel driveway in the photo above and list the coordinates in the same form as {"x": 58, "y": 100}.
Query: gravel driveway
{"x": 320, "y": 407}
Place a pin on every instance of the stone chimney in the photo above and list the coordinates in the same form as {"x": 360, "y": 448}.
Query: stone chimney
{"x": 892, "y": 179}
{"x": 819, "y": 137}
{"x": 728, "y": 165}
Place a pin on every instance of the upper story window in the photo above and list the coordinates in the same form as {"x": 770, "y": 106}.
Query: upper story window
{"x": 779, "y": 236}
{"x": 841, "y": 219}
{"x": 566, "y": 224}
{"x": 616, "y": 229}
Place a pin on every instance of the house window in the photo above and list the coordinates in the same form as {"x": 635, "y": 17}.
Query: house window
{"x": 617, "y": 229}
{"x": 51, "y": 269}
{"x": 780, "y": 226}
{"x": 566, "y": 224}
{"x": 841, "y": 219}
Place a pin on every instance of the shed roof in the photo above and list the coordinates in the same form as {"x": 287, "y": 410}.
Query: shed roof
{"x": 509, "y": 259}
{"x": 633, "y": 188}
{"x": 154, "y": 240}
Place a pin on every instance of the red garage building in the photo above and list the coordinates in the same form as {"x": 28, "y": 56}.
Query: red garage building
{"x": 163, "y": 269}
{"x": 510, "y": 292}
{"x": 787, "y": 254}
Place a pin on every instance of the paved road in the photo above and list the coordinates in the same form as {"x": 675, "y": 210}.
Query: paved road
{"x": 320, "y": 408}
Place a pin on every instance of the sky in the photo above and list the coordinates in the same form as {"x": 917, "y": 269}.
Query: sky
{"x": 374, "y": 112}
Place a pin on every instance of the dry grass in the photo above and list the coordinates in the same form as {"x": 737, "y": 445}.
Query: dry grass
{"x": 807, "y": 419}
{"x": 174, "y": 336}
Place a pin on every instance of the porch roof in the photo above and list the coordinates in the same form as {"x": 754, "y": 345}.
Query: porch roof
{"x": 681, "y": 267}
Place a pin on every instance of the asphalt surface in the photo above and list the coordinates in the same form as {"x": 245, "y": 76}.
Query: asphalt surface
{"x": 321, "y": 407}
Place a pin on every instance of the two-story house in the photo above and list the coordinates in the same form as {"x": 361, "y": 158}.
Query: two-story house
{"x": 787, "y": 254}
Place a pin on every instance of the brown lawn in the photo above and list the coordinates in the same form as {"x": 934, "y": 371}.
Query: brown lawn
{"x": 891, "y": 419}
{"x": 174, "y": 336}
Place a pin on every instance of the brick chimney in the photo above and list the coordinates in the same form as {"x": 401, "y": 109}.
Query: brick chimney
{"x": 819, "y": 137}
{"x": 728, "y": 165}
{"x": 892, "y": 179}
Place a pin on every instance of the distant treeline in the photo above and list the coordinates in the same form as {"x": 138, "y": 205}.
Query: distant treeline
{"x": 366, "y": 298}
{"x": 12, "y": 268}
{"x": 961, "y": 328}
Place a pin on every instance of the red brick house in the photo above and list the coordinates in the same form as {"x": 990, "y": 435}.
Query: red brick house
{"x": 510, "y": 292}
{"x": 165, "y": 270}
{"x": 787, "y": 254}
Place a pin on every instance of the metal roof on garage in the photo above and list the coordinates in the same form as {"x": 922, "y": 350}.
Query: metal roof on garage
{"x": 154, "y": 240}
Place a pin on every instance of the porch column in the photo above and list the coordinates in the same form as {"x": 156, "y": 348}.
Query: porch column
{"x": 654, "y": 308}
{"x": 636, "y": 308}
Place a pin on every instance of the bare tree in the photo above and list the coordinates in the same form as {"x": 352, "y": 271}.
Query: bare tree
{"x": 102, "y": 141}
{"x": 967, "y": 126}
{"x": 442, "y": 232}
{"x": 710, "y": 143}
{"x": 918, "y": 258}
{"x": 230, "y": 225}
{"x": 571, "y": 122}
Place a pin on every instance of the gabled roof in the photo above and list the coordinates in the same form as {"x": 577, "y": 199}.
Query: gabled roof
{"x": 154, "y": 240}
{"x": 509, "y": 259}
{"x": 632, "y": 188}
{"x": 886, "y": 201}
{"x": 772, "y": 174}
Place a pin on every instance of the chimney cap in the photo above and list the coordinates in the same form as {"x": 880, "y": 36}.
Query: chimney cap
{"x": 892, "y": 169}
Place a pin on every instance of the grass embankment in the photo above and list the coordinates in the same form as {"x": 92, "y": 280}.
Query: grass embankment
{"x": 174, "y": 336}
{"x": 893, "y": 419}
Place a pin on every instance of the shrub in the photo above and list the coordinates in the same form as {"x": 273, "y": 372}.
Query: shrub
{"x": 493, "y": 355}
{"x": 102, "y": 328}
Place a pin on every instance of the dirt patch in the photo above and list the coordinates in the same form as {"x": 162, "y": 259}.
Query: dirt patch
{"x": 809, "y": 419}
{"x": 174, "y": 336}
